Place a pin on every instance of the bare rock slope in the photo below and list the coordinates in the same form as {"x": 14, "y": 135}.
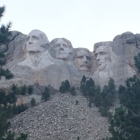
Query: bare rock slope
{"x": 63, "y": 117}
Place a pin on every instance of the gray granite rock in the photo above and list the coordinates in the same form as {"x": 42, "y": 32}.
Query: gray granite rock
{"x": 61, "y": 119}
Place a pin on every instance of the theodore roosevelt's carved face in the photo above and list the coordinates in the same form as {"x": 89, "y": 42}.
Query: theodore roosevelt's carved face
{"x": 103, "y": 57}
{"x": 34, "y": 41}
{"x": 61, "y": 49}
{"x": 82, "y": 60}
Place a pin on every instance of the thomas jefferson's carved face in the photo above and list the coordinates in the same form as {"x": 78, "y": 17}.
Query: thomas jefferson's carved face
{"x": 34, "y": 42}
{"x": 102, "y": 57}
{"x": 82, "y": 60}
{"x": 61, "y": 50}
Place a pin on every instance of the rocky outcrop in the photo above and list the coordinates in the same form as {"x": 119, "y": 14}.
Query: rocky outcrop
{"x": 34, "y": 60}
{"x": 124, "y": 47}
{"x": 64, "y": 117}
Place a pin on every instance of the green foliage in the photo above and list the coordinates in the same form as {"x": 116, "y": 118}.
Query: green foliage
{"x": 87, "y": 88}
{"x": 22, "y": 137}
{"x": 12, "y": 110}
{"x": 2, "y": 9}
{"x": 65, "y": 87}
{"x": 72, "y": 91}
{"x": 5, "y": 34}
{"x": 3, "y": 123}
{"x": 6, "y": 99}
{"x": 2, "y": 58}
{"x": 83, "y": 79}
{"x": 4, "y": 39}
{"x": 46, "y": 94}
{"x": 130, "y": 94}
{"x": 78, "y": 138}
{"x": 5, "y": 134}
{"x": 6, "y": 73}
{"x": 30, "y": 89}
{"x": 23, "y": 90}
{"x": 104, "y": 99}
{"x": 4, "y": 30}
{"x": 125, "y": 123}
{"x": 137, "y": 62}
{"x": 33, "y": 102}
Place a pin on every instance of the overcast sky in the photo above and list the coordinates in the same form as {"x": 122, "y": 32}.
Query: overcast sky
{"x": 83, "y": 22}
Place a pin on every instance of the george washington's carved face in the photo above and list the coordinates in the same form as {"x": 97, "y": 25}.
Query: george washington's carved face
{"x": 34, "y": 41}
{"x": 82, "y": 60}
{"x": 102, "y": 57}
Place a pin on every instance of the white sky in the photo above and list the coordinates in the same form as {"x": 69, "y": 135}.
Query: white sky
{"x": 83, "y": 22}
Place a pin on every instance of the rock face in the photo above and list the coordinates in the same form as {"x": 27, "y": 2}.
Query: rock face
{"x": 120, "y": 65}
{"x": 61, "y": 118}
{"x": 33, "y": 59}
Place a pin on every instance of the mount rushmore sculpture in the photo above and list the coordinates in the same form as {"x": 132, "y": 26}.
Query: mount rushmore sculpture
{"x": 33, "y": 59}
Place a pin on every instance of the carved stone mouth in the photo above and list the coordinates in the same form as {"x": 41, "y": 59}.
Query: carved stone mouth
{"x": 99, "y": 64}
{"x": 84, "y": 66}
{"x": 62, "y": 52}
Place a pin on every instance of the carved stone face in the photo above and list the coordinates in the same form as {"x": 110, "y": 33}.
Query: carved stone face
{"x": 82, "y": 60}
{"x": 61, "y": 50}
{"x": 102, "y": 57}
{"x": 34, "y": 41}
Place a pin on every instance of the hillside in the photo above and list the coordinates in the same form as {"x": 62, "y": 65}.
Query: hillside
{"x": 61, "y": 119}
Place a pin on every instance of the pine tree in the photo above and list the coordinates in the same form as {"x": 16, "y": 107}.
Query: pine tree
{"x": 137, "y": 62}
{"x": 33, "y": 102}
{"x": 4, "y": 39}
{"x": 3, "y": 123}
{"x": 5, "y": 134}
{"x": 46, "y": 94}
{"x": 125, "y": 123}
{"x": 65, "y": 87}
{"x": 4, "y": 30}
{"x": 72, "y": 91}
{"x": 30, "y": 89}
{"x": 104, "y": 99}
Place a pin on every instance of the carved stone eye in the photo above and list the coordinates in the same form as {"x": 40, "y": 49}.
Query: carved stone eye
{"x": 35, "y": 38}
{"x": 28, "y": 38}
{"x": 65, "y": 45}
{"x": 96, "y": 55}
{"x": 56, "y": 45}
{"x": 80, "y": 57}
{"x": 87, "y": 57}
{"x": 102, "y": 53}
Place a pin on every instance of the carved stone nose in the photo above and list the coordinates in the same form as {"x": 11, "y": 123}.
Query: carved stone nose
{"x": 30, "y": 43}
{"x": 85, "y": 59}
{"x": 61, "y": 48}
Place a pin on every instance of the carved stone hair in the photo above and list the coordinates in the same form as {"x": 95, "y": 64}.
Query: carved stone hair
{"x": 42, "y": 35}
{"x": 79, "y": 49}
{"x": 53, "y": 42}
